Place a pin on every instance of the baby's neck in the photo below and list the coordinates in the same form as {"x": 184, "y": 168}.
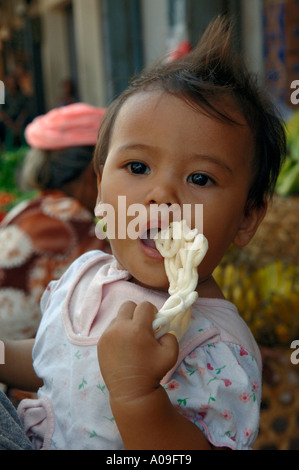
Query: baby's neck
{"x": 208, "y": 288}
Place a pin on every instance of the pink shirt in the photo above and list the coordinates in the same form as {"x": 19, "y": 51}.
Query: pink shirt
{"x": 216, "y": 382}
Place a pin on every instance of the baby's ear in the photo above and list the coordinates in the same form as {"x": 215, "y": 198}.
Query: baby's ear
{"x": 99, "y": 188}
{"x": 252, "y": 218}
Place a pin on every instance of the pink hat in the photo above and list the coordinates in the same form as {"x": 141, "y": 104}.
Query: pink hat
{"x": 69, "y": 126}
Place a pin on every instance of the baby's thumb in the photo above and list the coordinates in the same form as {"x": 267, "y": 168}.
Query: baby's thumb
{"x": 171, "y": 348}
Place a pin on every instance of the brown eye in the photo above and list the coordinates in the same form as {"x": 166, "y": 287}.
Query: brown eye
{"x": 139, "y": 168}
{"x": 199, "y": 179}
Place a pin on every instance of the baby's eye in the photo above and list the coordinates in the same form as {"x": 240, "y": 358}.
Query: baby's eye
{"x": 200, "y": 179}
{"x": 138, "y": 168}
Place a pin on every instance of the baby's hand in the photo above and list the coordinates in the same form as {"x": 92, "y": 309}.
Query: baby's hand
{"x": 131, "y": 360}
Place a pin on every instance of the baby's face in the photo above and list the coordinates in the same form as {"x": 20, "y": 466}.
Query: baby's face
{"x": 162, "y": 151}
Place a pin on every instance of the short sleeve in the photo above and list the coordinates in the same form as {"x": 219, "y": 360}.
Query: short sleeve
{"x": 218, "y": 387}
{"x": 67, "y": 276}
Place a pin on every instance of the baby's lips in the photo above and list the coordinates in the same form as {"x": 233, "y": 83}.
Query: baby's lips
{"x": 154, "y": 227}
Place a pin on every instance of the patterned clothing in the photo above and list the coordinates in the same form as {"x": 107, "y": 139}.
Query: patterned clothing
{"x": 216, "y": 382}
{"x": 39, "y": 239}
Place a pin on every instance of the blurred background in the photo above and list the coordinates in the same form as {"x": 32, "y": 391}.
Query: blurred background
{"x": 90, "y": 48}
{"x": 57, "y": 52}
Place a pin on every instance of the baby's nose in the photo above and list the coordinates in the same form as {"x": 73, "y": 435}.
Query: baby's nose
{"x": 166, "y": 203}
{"x": 164, "y": 191}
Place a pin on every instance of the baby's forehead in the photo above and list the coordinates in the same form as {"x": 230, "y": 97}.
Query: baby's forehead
{"x": 221, "y": 107}
{"x": 144, "y": 109}
{"x": 162, "y": 124}
{"x": 140, "y": 102}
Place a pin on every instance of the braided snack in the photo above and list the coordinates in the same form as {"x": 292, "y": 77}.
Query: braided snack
{"x": 183, "y": 250}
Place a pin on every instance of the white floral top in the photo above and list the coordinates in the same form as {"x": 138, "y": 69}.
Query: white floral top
{"x": 216, "y": 382}
{"x": 218, "y": 388}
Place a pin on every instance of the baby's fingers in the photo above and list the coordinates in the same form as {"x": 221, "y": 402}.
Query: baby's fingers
{"x": 126, "y": 310}
{"x": 170, "y": 347}
{"x": 144, "y": 314}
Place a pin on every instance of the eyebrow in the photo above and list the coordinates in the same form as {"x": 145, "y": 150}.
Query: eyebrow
{"x": 209, "y": 158}
{"x": 123, "y": 148}
{"x": 215, "y": 160}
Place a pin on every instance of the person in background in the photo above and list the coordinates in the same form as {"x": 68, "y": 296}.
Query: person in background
{"x": 13, "y": 113}
{"x": 40, "y": 238}
{"x": 68, "y": 93}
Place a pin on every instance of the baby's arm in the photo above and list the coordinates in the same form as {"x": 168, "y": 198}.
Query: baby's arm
{"x": 18, "y": 369}
{"x": 133, "y": 363}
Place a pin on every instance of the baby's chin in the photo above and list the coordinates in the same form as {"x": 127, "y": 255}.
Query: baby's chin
{"x": 154, "y": 280}
{"x": 161, "y": 286}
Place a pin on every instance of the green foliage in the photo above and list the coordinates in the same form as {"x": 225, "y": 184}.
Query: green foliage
{"x": 10, "y": 165}
{"x": 288, "y": 180}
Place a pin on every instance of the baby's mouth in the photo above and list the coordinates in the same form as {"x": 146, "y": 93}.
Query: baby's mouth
{"x": 148, "y": 237}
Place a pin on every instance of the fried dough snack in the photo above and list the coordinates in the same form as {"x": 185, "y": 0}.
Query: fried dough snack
{"x": 183, "y": 250}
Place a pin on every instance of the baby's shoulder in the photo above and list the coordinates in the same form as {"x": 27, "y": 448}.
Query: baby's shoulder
{"x": 85, "y": 265}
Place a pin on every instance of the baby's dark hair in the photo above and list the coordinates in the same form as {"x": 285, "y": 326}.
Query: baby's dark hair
{"x": 209, "y": 74}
